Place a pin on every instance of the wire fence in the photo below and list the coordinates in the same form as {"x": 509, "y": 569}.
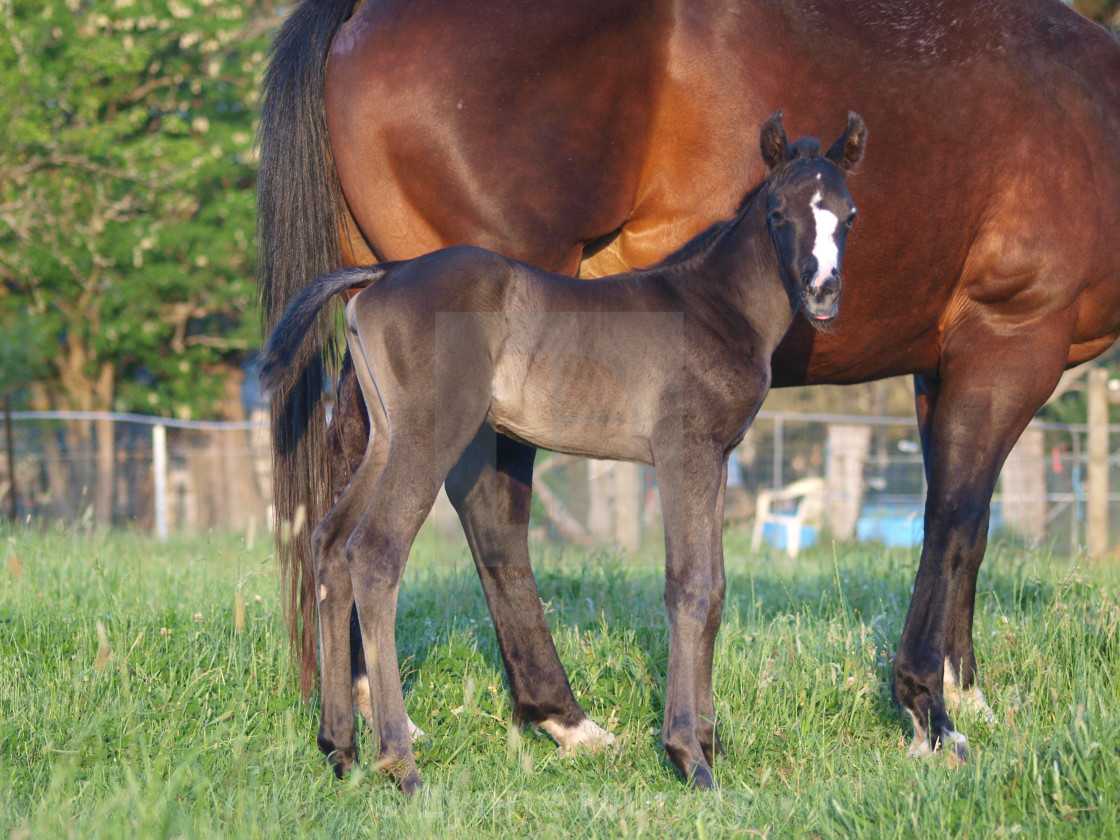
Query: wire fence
{"x": 162, "y": 475}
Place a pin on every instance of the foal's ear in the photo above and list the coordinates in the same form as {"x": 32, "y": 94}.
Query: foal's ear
{"x": 847, "y": 151}
{"x": 773, "y": 141}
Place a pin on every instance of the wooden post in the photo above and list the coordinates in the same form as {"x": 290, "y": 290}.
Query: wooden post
{"x": 13, "y": 495}
{"x": 159, "y": 469}
{"x": 627, "y": 506}
{"x": 599, "y": 519}
{"x": 1023, "y": 487}
{"x": 848, "y": 447}
{"x": 1097, "y": 502}
{"x": 779, "y": 454}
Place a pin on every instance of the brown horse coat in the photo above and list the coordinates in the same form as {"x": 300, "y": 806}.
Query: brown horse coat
{"x": 590, "y": 135}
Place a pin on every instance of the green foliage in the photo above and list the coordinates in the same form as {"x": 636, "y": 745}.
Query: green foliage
{"x": 133, "y": 705}
{"x": 22, "y": 353}
{"x": 127, "y": 188}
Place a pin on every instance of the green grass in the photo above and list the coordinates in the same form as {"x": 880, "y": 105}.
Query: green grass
{"x": 131, "y": 705}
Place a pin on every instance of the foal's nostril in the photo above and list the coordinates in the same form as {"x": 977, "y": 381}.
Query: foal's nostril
{"x": 830, "y": 285}
{"x": 809, "y": 269}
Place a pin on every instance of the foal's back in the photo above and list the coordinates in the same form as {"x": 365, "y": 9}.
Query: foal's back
{"x": 583, "y": 368}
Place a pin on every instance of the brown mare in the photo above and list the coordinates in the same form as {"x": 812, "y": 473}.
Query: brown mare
{"x": 593, "y": 135}
{"x": 666, "y": 366}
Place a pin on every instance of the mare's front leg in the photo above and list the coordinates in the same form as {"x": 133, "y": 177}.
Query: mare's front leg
{"x": 969, "y": 418}
{"x": 491, "y": 488}
{"x": 690, "y": 474}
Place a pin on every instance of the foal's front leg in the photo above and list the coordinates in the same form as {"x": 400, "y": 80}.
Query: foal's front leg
{"x": 705, "y": 698}
{"x": 690, "y": 477}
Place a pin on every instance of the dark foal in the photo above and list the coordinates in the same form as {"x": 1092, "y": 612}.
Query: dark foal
{"x": 666, "y": 366}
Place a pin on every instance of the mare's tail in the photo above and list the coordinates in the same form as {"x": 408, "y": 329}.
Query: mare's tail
{"x": 287, "y": 342}
{"x": 298, "y": 208}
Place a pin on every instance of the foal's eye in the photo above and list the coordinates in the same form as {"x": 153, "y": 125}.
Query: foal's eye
{"x": 776, "y": 218}
{"x": 851, "y": 220}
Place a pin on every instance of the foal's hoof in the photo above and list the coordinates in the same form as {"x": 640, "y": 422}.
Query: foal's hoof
{"x": 342, "y": 761}
{"x": 956, "y": 748}
{"x": 403, "y": 771}
{"x": 701, "y": 777}
{"x": 410, "y": 784}
{"x": 714, "y": 750}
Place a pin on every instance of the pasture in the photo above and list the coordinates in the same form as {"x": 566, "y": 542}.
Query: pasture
{"x": 146, "y": 691}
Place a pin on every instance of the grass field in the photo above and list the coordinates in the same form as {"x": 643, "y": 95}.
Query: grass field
{"x": 145, "y": 692}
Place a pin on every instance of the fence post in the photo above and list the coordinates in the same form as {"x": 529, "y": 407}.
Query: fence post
{"x": 779, "y": 453}
{"x": 1023, "y": 487}
{"x": 159, "y": 467}
{"x": 627, "y": 506}
{"x": 1097, "y": 502}
{"x": 848, "y": 446}
{"x": 13, "y": 492}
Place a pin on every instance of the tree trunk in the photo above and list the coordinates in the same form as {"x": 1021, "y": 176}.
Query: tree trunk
{"x": 58, "y": 496}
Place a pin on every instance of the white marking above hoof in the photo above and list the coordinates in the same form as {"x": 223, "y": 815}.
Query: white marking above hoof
{"x": 969, "y": 700}
{"x": 359, "y": 695}
{"x": 956, "y": 744}
{"x": 584, "y": 735}
{"x": 416, "y": 733}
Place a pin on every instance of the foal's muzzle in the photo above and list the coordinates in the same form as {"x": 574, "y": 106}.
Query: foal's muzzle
{"x": 821, "y": 297}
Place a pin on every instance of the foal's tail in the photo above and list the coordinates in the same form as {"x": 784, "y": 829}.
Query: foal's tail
{"x": 297, "y": 324}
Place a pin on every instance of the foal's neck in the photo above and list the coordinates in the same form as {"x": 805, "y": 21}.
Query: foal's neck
{"x": 740, "y": 275}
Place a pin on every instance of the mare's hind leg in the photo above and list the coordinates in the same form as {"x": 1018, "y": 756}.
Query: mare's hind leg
{"x": 971, "y": 418}
{"x": 491, "y": 487}
{"x": 959, "y": 677}
{"x": 705, "y": 698}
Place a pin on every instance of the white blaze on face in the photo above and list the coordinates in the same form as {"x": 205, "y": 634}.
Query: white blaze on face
{"x": 824, "y": 248}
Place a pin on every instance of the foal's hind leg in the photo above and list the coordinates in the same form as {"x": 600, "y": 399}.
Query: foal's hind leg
{"x": 335, "y": 597}
{"x": 973, "y": 416}
{"x": 377, "y": 553}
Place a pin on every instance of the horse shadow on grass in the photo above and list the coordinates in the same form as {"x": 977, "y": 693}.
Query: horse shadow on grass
{"x": 835, "y": 609}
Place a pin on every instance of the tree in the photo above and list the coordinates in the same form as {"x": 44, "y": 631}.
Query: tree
{"x": 127, "y": 179}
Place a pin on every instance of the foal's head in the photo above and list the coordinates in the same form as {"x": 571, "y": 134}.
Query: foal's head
{"x": 809, "y": 211}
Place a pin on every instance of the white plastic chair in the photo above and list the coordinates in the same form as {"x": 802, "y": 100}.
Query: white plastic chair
{"x": 791, "y": 508}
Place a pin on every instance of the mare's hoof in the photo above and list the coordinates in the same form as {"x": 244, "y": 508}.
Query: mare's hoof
{"x": 402, "y": 769}
{"x": 585, "y": 735}
{"x": 956, "y": 748}
{"x": 954, "y": 743}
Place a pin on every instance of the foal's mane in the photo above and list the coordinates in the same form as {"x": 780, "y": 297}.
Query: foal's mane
{"x": 802, "y": 150}
{"x": 702, "y": 242}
